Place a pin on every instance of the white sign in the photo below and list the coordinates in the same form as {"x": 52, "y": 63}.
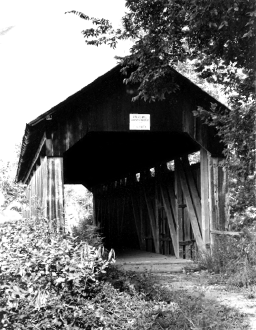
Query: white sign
{"x": 139, "y": 121}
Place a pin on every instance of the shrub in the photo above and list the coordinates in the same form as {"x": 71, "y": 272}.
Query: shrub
{"x": 86, "y": 231}
{"x": 44, "y": 276}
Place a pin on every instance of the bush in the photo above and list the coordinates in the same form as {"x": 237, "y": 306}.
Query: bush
{"x": 86, "y": 231}
{"x": 45, "y": 277}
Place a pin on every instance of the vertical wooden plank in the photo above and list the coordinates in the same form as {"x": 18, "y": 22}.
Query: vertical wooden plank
{"x": 142, "y": 223}
{"x": 137, "y": 219}
{"x": 190, "y": 206}
{"x": 156, "y": 205}
{"x": 179, "y": 210}
{"x": 225, "y": 198}
{"x": 216, "y": 190}
{"x": 220, "y": 193}
{"x": 44, "y": 184}
{"x": 187, "y": 233}
{"x": 55, "y": 191}
{"x": 33, "y": 196}
{"x": 123, "y": 204}
{"x": 152, "y": 222}
{"x": 205, "y": 213}
{"x": 192, "y": 189}
{"x": 212, "y": 211}
{"x": 173, "y": 202}
{"x": 50, "y": 184}
{"x": 94, "y": 208}
{"x": 60, "y": 193}
{"x": 170, "y": 217}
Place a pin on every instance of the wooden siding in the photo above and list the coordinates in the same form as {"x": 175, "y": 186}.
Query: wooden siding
{"x": 107, "y": 108}
{"x": 86, "y": 139}
{"x": 45, "y": 192}
{"x": 112, "y": 115}
{"x": 105, "y": 105}
{"x": 36, "y": 192}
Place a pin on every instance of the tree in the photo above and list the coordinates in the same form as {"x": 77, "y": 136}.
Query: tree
{"x": 219, "y": 35}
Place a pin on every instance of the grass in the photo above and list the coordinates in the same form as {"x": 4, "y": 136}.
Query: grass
{"x": 176, "y": 309}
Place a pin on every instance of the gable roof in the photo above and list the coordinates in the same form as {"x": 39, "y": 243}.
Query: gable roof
{"x": 35, "y": 130}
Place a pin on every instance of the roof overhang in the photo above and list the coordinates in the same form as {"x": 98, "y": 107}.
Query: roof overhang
{"x": 102, "y": 157}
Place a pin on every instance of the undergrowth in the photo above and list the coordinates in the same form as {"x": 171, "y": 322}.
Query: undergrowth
{"x": 233, "y": 258}
{"x": 54, "y": 281}
{"x": 175, "y": 309}
{"x": 84, "y": 230}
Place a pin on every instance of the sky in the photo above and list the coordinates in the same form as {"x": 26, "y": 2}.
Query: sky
{"x": 44, "y": 59}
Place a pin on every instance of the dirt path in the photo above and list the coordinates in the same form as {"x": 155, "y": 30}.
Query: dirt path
{"x": 202, "y": 283}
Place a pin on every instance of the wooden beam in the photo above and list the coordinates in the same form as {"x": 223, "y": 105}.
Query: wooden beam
{"x": 191, "y": 209}
{"x": 142, "y": 220}
{"x": 151, "y": 215}
{"x": 94, "y": 208}
{"x": 37, "y": 155}
{"x": 156, "y": 205}
{"x": 170, "y": 217}
{"x": 137, "y": 220}
{"x": 228, "y": 233}
{"x": 205, "y": 210}
{"x": 212, "y": 211}
{"x": 55, "y": 192}
{"x": 193, "y": 189}
{"x": 178, "y": 210}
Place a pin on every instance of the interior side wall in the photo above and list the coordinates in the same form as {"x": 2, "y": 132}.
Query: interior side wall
{"x": 147, "y": 211}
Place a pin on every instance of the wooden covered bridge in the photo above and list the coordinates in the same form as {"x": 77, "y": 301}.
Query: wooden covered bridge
{"x": 135, "y": 158}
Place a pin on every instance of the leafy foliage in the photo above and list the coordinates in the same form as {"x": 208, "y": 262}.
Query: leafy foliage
{"x": 45, "y": 278}
{"x": 86, "y": 231}
{"x": 54, "y": 282}
{"x": 78, "y": 206}
{"x": 220, "y": 35}
{"x": 12, "y": 191}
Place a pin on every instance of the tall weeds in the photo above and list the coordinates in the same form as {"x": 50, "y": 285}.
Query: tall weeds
{"x": 234, "y": 258}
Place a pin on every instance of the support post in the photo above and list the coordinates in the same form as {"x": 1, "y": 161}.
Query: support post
{"x": 217, "y": 195}
{"x": 191, "y": 207}
{"x": 170, "y": 218}
{"x": 151, "y": 215}
{"x": 94, "y": 210}
{"x": 179, "y": 210}
{"x": 220, "y": 192}
{"x": 205, "y": 209}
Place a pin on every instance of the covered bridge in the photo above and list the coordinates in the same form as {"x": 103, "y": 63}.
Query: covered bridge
{"x": 134, "y": 157}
